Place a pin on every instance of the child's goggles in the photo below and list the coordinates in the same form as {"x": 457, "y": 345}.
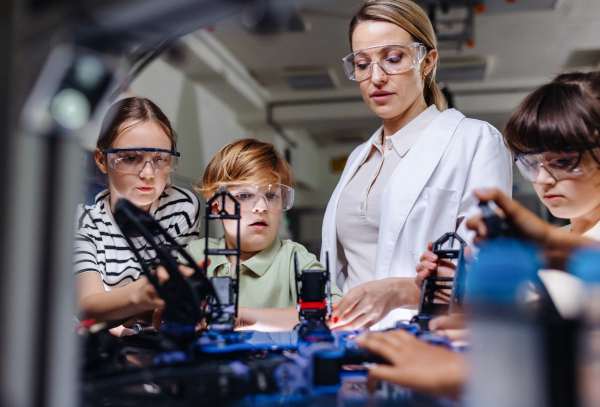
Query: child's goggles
{"x": 560, "y": 165}
{"x": 278, "y": 197}
{"x": 392, "y": 58}
{"x": 133, "y": 160}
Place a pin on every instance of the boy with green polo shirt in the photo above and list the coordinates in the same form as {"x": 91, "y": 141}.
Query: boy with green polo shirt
{"x": 259, "y": 178}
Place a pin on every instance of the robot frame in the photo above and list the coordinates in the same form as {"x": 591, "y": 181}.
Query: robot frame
{"x": 180, "y": 360}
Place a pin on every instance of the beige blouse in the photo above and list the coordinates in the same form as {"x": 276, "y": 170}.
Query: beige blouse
{"x": 358, "y": 209}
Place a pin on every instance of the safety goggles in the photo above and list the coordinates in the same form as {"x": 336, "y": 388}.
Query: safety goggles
{"x": 391, "y": 58}
{"x": 133, "y": 160}
{"x": 560, "y": 165}
{"x": 278, "y": 197}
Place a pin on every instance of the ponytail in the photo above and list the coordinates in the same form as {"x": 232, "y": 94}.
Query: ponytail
{"x": 433, "y": 94}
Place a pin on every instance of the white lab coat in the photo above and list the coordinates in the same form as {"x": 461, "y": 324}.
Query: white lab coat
{"x": 428, "y": 194}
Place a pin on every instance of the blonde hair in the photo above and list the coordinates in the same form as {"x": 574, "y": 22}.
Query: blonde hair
{"x": 411, "y": 17}
{"x": 242, "y": 161}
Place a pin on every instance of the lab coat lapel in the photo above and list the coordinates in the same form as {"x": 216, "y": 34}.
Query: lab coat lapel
{"x": 407, "y": 183}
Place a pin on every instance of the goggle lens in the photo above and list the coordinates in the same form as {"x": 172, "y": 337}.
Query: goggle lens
{"x": 392, "y": 58}
{"x": 560, "y": 165}
{"x": 278, "y": 197}
{"x": 131, "y": 161}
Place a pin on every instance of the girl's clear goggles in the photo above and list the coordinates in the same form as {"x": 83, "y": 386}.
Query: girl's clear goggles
{"x": 278, "y": 197}
{"x": 133, "y": 160}
{"x": 391, "y": 58}
{"x": 560, "y": 165}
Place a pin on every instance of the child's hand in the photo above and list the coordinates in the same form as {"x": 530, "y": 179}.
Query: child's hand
{"x": 415, "y": 364}
{"x": 524, "y": 223}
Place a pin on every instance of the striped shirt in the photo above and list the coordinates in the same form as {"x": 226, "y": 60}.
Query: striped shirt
{"x": 101, "y": 248}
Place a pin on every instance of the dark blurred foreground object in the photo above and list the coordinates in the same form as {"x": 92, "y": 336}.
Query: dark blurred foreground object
{"x": 91, "y": 50}
{"x": 518, "y": 339}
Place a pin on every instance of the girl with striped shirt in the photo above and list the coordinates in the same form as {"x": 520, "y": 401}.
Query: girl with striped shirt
{"x": 136, "y": 150}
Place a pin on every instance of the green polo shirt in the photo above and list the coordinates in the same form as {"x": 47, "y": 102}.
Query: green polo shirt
{"x": 267, "y": 278}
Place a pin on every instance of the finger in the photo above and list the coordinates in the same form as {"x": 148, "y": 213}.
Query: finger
{"x": 469, "y": 253}
{"x": 365, "y": 321}
{"x": 454, "y": 334}
{"x": 429, "y": 256}
{"x": 186, "y": 271}
{"x": 454, "y": 321}
{"x": 430, "y": 246}
{"x": 162, "y": 274}
{"x": 345, "y": 305}
{"x": 426, "y": 265}
{"x": 477, "y": 224}
{"x": 159, "y": 303}
{"x": 421, "y": 276}
{"x": 386, "y": 373}
{"x": 360, "y": 308}
{"x": 493, "y": 194}
{"x": 389, "y": 345}
{"x": 201, "y": 264}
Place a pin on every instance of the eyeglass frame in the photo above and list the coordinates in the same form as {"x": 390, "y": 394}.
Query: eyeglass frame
{"x": 516, "y": 158}
{"x": 152, "y": 150}
{"x": 417, "y": 62}
{"x": 224, "y": 186}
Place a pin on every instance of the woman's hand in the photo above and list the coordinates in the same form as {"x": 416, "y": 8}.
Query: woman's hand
{"x": 415, "y": 364}
{"x": 429, "y": 261}
{"x": 366, "y": 304}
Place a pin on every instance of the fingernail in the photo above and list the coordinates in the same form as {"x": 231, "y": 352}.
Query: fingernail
{"x": 335, "y": 320}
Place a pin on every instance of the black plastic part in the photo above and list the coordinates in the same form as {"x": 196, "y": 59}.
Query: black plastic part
{"x": 495, "y": 225}
{"x": 183, "y": 296}
{"x": 428, "y": 308}
{"x": 315, "y": 288}
{"x": 224, "y": 312}
{"x": 327, "y": 368}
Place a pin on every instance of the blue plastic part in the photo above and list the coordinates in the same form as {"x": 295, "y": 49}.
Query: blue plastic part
{"x": 502, "y": 267}
{"x": 169, "y": 358}
{"x": 585, "y": 264}
{"x": 176, "y": 329}
{"x": 331, "y": 353}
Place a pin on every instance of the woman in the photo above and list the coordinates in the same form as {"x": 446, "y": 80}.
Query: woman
{"x": 415, "y": 175}
{"x": 136, "y": 150}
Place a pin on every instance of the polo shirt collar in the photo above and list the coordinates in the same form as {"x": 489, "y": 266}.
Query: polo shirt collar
{"x": 406, "y": 137}
{"x": 258, "y": 264}
{"x": 261, "y": 261}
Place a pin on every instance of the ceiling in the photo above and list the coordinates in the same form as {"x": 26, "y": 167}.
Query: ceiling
{"x": 518, "y": 49}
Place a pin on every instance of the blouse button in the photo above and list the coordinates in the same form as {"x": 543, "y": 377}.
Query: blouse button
{"x": 390, "y": 146}
{"x": 227, "y": 270}
{"x": 362, "y": 205}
